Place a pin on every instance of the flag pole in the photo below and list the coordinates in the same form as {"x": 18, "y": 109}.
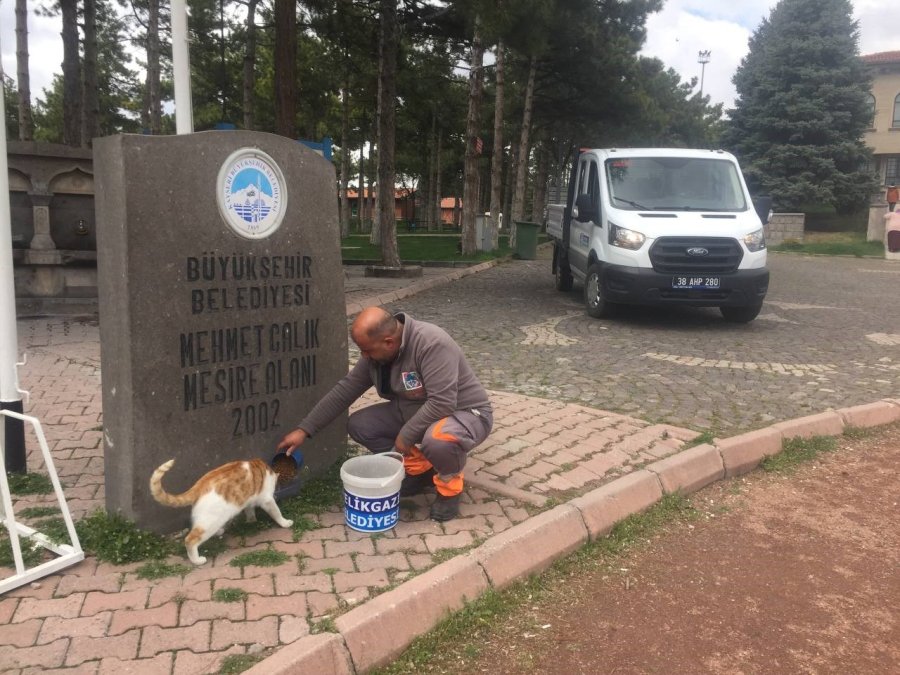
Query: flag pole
{"x": 10, "y": 397}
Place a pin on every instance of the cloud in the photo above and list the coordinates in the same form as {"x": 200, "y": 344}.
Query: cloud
{"x": 44, "y": 47}
{"x": 684, "y": 27}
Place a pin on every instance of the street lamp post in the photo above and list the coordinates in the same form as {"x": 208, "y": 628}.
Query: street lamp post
{"x": 702, "y": 59}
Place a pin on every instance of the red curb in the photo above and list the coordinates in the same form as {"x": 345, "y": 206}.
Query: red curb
{"x": 532, "y": 545}
{"x": 870, "y": 414}
{"x": 322, "y": 653}
{"x": 378, "y": 631}
{"x": 824, "y": 424}
{"x": 602, "y": 508}
{"x": 689, "y": 470}
{"x": 743, "y": 453}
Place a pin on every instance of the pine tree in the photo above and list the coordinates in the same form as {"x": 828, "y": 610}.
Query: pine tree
{"x": 802, "y": 108}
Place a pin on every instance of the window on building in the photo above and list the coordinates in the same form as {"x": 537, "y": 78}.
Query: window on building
{"x": 871, "y": 111}
{"x": 896, "y": 122}
{"x": 891, "y": 170}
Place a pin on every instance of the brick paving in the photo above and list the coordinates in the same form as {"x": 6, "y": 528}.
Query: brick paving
{"x": 546, "y": 447}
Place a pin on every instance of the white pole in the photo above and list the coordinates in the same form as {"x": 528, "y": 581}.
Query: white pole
{"x": 181, "y": 69}
{"x": 10, "y": 399}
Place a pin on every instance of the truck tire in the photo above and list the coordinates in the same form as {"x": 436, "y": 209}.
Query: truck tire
{"x": 594, "y": 304}
{"x": 740, "y": 314}
{"x": 562, "y": 273}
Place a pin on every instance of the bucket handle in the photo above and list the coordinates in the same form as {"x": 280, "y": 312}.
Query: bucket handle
{"x": 394, "y": 454}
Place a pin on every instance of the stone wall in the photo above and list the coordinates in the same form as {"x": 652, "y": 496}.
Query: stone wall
{"x": 52, "y": 208}
{"x": 783, "y": 227}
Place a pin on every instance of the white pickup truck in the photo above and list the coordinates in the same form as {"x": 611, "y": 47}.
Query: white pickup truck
{"x": 661, "y": 227}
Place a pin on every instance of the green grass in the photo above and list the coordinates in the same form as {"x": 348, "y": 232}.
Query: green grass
{"x": 39, "y": 512}
{"x": 267, "y": 558}
{"x": 32, "y": 554}
{"x": 238, "y": 663}
{"x": 157, "y": 569}
{"x": 833, "y": 243}
{"x": 797, "y": 451}
{"x": 29, "y": 483}
{"x": 115, "y": 539}
{"x": 418, "y": 247}
{"x": 230, "y": 595}
{"x": 461, "y": 630}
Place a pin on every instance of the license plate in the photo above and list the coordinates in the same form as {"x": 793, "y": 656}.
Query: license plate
{"x": 696, "y": 282}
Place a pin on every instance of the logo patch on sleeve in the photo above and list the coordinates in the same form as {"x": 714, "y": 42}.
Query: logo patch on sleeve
{"x": 411, "y": 380}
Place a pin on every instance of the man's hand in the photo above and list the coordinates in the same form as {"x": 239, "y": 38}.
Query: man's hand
{"x": 401, "y": 446}
{"x": 290, "y": 442}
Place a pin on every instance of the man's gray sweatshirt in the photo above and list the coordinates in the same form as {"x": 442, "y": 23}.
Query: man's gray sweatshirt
{"x": 430, "y": 379}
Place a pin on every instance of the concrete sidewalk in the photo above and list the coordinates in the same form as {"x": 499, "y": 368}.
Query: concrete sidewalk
{"x": 377, "y": 591}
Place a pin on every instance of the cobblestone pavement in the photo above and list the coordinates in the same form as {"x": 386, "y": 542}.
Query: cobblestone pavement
{"x": 828, "y": 336}
{"x": 578, "y": 403}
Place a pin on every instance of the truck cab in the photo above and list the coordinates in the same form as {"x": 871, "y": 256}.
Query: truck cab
{"x": 661, "y": 227}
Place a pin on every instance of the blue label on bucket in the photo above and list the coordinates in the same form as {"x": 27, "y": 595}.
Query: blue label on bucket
{"x": 371, "y": 514}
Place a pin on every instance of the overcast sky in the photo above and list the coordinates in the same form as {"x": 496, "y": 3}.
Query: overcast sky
{"x": 675, "y": 35}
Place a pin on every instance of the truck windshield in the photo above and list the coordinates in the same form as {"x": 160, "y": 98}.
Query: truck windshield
{"x": 674, "y": 184}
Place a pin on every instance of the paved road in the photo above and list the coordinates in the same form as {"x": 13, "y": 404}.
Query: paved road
{"x": 828, "y": 336}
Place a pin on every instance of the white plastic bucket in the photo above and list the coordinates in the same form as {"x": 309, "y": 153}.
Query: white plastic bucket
{"x": 372, "y": 491}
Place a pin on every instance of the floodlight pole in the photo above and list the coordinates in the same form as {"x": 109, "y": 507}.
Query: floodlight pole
{"x": 703, "y": 59}
{"x": 10, "y": 396}
{"x": 181, "y": 69}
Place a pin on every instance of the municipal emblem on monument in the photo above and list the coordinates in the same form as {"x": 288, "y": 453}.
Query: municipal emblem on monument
{"x": 251, "y": 193}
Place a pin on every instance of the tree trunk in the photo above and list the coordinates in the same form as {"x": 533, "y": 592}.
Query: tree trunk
{"x": 71, "y": 67}
{"x": 249, "y": 74}
{"x": 26, "y": 119}
{"x": 285, "y": 67}
{"x": 470, "y": 172}
{"x": 518, "y": 204}
{"x": 438, "y": 189}
{"x": 90, "y": 121}
{"x": 540, "y": 183}
{"x": 497, "y": 154}
{"x": 390, "y": 255}
{"x": 508, "y": 193}
{"x": 361, "y": 192}
{"x": 345, "y": 161}
{"x": 154, "y": 70}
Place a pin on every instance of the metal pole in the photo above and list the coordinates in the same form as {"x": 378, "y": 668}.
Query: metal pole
{"x": 10, "y": 399}
{"x": 703, "y": 59}
{"x": 181, "y": 69}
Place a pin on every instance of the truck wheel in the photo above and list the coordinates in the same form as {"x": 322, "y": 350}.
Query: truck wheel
{"x": 562, "y": 273}
{"x": 594, "y": 303}
{"x": 741, "y": 314}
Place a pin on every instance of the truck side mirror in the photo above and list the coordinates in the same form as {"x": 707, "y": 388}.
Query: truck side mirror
{"x": 585, "y": 210}
{"x": 763, "y": 207}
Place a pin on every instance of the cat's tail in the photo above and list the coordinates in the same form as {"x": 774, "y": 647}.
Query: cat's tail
{"x": 159, "y": 493}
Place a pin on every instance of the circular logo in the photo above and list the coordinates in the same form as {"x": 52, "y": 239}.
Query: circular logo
{"x": 251, "y": 193}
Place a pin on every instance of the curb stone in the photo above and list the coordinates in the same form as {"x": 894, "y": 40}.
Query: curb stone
{"x": 379, "y": 630}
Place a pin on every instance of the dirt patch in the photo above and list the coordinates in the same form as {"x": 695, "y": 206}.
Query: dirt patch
{"x": 782, "y": 573}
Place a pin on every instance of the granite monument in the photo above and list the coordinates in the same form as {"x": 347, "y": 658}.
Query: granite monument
{"x": 222, "y": 314}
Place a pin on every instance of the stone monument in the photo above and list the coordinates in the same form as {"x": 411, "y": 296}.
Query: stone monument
{"x": 222, "y": 312}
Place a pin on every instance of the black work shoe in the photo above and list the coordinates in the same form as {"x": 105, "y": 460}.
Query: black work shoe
{"x": 415, "y": 485}
{"x": 445, "y": 508}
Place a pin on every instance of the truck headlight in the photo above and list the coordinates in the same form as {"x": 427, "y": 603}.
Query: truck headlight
{"x": 755, "y": 241}
{"x": 625, "y": 238}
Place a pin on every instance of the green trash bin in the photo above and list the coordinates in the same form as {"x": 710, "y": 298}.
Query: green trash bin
{"x": 526, "y": 240}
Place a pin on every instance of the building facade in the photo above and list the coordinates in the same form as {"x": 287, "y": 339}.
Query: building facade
{"x": 884, "y": 135}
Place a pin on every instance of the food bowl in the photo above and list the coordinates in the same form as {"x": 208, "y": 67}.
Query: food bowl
{"x": 287, "y": 467}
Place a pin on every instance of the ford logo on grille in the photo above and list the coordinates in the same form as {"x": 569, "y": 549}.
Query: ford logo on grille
{"x": 697, "y": 251}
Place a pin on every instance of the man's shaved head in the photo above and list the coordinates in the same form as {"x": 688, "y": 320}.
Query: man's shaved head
{"x": 377, "y": 333}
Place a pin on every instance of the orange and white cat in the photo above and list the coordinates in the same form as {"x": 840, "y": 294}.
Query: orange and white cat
{"x": 219, "y": 496}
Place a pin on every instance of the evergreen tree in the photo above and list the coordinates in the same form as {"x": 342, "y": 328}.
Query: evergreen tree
{"x": 802, "y": 108}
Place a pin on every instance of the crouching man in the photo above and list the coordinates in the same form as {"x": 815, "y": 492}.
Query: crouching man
{"x": 435, "y": 411}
